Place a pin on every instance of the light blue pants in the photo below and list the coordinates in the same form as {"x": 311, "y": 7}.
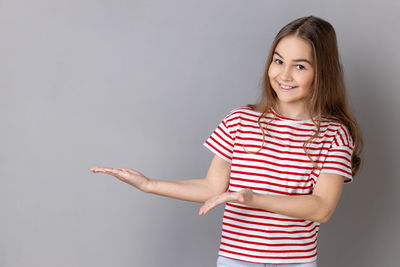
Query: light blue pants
{"x": 226, "y": 262}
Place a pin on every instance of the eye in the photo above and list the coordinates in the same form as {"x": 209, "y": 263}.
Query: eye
{"x": 301, "y": 67}
{"x": 278, "y": 61}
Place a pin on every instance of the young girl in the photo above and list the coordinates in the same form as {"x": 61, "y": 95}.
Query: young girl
{"x": 279, "y": 165}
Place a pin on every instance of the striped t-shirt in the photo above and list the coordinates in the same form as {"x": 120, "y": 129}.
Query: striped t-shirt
{"x": 281, "y": 167}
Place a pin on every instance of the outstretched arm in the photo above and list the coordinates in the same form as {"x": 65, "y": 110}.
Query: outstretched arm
{"x": 318, "y": 207}
{"x": 197, "y": 190}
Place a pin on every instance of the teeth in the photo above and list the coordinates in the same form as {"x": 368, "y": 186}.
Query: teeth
{"x": 286, "y": 87}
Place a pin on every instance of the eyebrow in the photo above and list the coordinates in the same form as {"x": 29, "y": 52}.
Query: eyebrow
{"x": 296, "y": 60}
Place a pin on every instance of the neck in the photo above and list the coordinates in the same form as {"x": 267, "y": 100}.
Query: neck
{"x": 299, "y": 112}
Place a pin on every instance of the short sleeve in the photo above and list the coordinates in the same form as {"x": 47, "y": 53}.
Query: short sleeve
{"x": 221, "y": 141}
{"x": 338, "y": 159}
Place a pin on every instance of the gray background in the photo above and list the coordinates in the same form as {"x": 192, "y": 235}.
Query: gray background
{"x": 142, "y": 84}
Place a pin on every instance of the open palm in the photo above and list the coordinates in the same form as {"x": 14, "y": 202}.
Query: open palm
{"x": 238, "y": 197}
{"x": 128, "y": 176}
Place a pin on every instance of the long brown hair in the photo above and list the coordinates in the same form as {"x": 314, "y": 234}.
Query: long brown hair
{"x": 328, "y": 95}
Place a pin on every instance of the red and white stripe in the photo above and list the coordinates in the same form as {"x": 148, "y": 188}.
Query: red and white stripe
{"x": 281, "y": 167}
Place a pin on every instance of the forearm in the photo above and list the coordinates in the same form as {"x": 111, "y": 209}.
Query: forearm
{"x": 196, "y": 190}
{"x": 308, "y": 207}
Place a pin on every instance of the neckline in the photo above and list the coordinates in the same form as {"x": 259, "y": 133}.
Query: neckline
{"x": 289, "y": 119}
{"x": 283, "y": 118}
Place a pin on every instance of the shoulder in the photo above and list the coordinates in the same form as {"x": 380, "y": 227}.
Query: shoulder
{"x": 241, "y": 111}
{"x": 235, "y": 118}
{"x": 339, "y": 131}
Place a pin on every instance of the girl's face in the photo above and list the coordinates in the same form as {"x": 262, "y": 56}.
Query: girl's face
{"x": 291, "y": 72}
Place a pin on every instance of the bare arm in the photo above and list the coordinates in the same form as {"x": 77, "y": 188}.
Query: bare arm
{"x": 318, "y": 207}
{"x": 197, "y": 190}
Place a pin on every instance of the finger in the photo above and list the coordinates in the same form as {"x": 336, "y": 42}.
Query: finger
{"x": 100, "y": 169}
{"x": 209, "y": 205}
{"x": 214, "y": 202}
{"x": 202, "y": 211}
{"x": 206, "y": 208}
{"x": 111, "y": 171}
{"x": 114, "y": 172}
{"x": 94, "y": 170}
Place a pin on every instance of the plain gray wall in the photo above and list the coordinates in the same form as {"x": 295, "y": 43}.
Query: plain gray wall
{"x": 142, "y": 84}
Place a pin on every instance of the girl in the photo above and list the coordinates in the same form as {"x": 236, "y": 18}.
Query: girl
{"x": 279, "y": 165}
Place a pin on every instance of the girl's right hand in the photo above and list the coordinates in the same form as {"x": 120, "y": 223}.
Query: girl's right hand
{"x": 128, "y": 176}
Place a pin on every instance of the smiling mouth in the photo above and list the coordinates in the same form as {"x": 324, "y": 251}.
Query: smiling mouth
{"x": 285, "y": 87}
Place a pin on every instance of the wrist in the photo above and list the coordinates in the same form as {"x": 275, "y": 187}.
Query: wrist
{"x": 246, "y": 196}
{"x": 147, "y": 185}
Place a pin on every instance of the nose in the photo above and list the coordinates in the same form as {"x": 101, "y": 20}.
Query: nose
{"x": 286, "y": 74}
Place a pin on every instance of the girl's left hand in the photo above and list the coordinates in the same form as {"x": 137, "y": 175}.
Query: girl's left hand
{"x": 241, "y": 196}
